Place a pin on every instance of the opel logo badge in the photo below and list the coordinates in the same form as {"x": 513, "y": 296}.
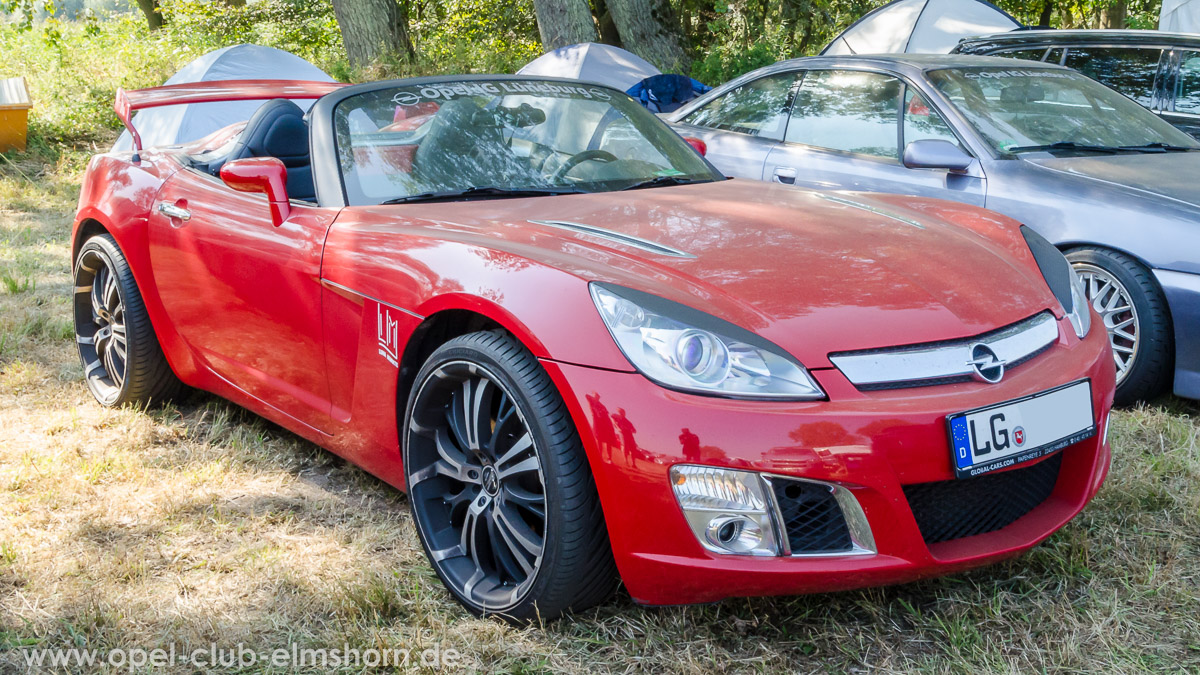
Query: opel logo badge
{"x": 406, "y": 98}
{"x": 491, "y": 481}
{"x": 987, "y": 366}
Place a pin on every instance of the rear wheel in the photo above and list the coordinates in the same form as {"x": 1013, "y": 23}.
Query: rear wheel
{"x": 122, "y": 360}
{"x": 500, "y": 488}
{"x": 1128, "y": 300}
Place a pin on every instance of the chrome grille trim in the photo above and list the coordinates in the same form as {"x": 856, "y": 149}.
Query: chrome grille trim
{"x": 945, "y": 362}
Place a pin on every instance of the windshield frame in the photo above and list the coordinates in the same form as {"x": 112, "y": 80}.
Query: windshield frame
{"x": 327, "y": 172}
{"x": 968, "y": 126}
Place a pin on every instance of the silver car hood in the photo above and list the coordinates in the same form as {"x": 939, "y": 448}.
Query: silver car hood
{"x": 1174, "y": 175}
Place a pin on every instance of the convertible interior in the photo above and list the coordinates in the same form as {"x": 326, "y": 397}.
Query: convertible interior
{"x": 442, "y": 147}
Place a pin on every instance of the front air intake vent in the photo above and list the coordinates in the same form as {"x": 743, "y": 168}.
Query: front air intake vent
{"x": 953, "y": 509}
{"x": 812, "y": 518}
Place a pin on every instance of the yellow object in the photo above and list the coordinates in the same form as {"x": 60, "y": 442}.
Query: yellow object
{"x": 14, "y": 114}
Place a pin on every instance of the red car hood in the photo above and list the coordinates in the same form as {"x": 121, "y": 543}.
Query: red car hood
{"x": 814, "y": 272}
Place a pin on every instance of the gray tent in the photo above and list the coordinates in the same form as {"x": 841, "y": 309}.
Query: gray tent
{"x": 1180, "y": 16}
{"x": 593, "y": 62}
{"x": 182, "y": 123}
{"x": 920, "y": 27}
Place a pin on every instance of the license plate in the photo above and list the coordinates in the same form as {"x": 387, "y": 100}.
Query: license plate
{"x": 1004, "y": 435}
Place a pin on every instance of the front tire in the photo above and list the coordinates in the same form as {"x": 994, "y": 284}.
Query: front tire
{"x": 500, "y": 488}
{"x": 1135, "y": 314}
{"x": 122, "y": 360}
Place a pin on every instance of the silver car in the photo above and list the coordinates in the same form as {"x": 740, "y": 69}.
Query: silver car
{"x": 1110, "y": 183}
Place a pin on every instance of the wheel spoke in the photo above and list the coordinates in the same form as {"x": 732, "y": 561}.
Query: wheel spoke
{"x": 513, "y": 566}
{"x": 507, "y": 553}
{"x": 98, "y": 310}
{"x": 521, "y": 533}
{"x": 524, "y": 466}
{"x": 522, "y": 498}
{"x": 469, "y": 540}
{"x": 452, "y": 462}
{"x": 522, "y": 445}
{"x": 112, "y": 297}
{"x": 447, "y": 553}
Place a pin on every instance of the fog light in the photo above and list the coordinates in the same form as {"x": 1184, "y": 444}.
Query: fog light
{"x": 729, "y": 511}
{"x": 737, "y": 534}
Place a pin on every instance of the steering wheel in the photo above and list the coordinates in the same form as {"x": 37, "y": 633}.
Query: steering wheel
{"x": 579, "y": 158}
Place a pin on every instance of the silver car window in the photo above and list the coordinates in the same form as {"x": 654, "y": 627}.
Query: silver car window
{"x": 757, "y": 108}
{"x": 922, "y": 122}
{"x": 847, "y": 110}
{"x": 1187, "y": 88}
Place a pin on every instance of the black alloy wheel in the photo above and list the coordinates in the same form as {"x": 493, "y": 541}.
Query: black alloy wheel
{"x": 499, "y": 485}
{"x": 122, "y": 360}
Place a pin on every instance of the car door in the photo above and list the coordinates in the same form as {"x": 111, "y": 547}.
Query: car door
{"x": 846, "y": 132}
{"x": 741, "y": 126}
{"x": 244, "y": 294}
{"x": 1182, "y": 102}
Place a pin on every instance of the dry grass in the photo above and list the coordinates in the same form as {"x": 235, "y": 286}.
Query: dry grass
{"x": 202, "y": 523}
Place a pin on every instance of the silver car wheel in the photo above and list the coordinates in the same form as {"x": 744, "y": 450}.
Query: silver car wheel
{"x": 1112, "y": 302}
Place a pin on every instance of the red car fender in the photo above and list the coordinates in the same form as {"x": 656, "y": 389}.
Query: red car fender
{"x": 119, "y": 197}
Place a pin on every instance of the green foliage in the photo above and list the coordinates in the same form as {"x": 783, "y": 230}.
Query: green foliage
{"x": 73, "y": 70}
{"x": 725, "y": 62}
{"x": 307, "y": 28}
{"x": 731, "y": 37}
{"x": 496, "y": 36}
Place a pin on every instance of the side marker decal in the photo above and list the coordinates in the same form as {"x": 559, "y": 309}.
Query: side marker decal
{"x": 388, "y": 334}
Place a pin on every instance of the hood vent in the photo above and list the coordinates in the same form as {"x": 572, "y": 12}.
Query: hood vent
{"x": 626, "y": 239}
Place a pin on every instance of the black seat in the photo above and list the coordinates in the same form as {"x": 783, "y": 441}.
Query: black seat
{"x": 278, "y": 130}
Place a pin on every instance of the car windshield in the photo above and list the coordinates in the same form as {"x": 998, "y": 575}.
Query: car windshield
{"x": 1019, "y": 109}
{"x": 488, "y": 138}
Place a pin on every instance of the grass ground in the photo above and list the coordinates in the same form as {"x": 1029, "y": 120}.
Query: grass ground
{"x": 202, "y": 523}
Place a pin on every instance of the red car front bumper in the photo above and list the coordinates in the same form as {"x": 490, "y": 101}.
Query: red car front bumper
{"x": 872, "y": 443}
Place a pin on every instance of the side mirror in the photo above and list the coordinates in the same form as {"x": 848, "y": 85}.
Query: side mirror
{"x": 262, "y": 175}
{"x": 700, "y": 146}
{"x": 935, "y": 154}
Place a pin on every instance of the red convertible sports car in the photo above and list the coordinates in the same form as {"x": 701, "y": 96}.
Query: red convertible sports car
{"x": 584, "y": 354}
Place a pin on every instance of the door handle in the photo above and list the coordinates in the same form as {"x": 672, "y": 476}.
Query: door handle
{"x": 176, "y": 212}
{"x": 785, "y": 175}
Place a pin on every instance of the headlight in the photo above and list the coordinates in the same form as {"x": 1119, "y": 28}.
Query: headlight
{"x": 683, "y": 348}
{"x": 1062, "y": 280}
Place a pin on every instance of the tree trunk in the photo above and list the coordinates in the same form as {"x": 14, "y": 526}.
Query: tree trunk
{"x": 650, "y": 29}
{"x": 1047, "y": 13}
{"x": 564, "y": 22}
{"x": 1113, "y": 14}
{"x": 604, "y": 21}
{"x": 153, "y": 13}
{"x": 372, "y": 29}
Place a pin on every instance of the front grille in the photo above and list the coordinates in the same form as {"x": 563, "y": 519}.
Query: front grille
{"x": 947, "y": 361}
{"x": 953, "y": 509}
{"x": 812, "y": 518}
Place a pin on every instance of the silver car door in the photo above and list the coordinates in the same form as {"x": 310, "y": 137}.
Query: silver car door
{"x": 847, "y": 130}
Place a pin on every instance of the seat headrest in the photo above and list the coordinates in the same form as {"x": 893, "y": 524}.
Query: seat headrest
{"x": 277, "y": 129}
{"x": 1022, "y": 93}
